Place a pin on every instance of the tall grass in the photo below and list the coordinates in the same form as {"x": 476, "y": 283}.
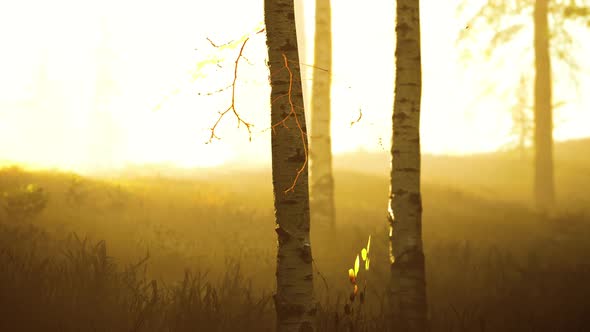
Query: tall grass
{"x": 179, "y": 255}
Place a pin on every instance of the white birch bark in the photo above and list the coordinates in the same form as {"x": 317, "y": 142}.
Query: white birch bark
{"x": 408, "y": 280}
{"x": 294, "y": 300}
{"x": 320, "y": 168}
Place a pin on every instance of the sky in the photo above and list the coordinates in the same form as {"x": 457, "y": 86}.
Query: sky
{"x": 89, "y": 85}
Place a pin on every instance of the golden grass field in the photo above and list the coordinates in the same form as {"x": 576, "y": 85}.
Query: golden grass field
{"x": 166, "y": 253}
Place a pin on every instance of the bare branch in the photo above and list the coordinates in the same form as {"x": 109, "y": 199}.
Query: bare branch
{"x": 358, "y": 119}
{"x": 505, "y": 35}
{"x": 311, "y": 66}
{"x": 215, "y": 92}
{"x": 232, "y": 106}
{"x": 219, "y": 46}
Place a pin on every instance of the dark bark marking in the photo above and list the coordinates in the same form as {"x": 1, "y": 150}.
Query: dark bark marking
{"x": 305, "y": 253}
{"x": 284, "y": 236}
{"x": 298, "y": 157}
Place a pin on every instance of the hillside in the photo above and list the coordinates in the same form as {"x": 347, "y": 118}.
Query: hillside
{"x": 505, "y": 176}
{"x": 168, "y": 252}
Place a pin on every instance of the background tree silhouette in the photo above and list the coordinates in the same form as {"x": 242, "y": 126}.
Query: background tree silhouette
{"x": 320, "y": 139}
{"x": 552, "y": 37}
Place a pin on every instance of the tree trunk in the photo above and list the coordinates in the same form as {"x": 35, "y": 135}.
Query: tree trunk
{"x": 294, "y": 302}
{"x": 544, "y": 181}
{"x": 520, "y": 118}
{"x": 408, "y": 279}
{"x": 302, "y": 47}
{"x": 322, "y": 181}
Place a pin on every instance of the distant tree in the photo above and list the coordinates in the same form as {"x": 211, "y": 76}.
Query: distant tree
{"x": 321, "y": 178}
{"x": 543, "y": 12}
{"x": 522, "y": 125}
{"x": 544, "y": 185}
{"x": 408, "y": 277}
{"x": 294, "y": 299}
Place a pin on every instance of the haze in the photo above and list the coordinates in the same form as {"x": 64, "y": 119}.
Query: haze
{"x": 89, "y": 86}
{"x": 121, "y": 211}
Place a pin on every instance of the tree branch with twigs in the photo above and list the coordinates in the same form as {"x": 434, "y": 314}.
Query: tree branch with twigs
{"x": 232, "y": 106}
{"x": 241, "y": 121}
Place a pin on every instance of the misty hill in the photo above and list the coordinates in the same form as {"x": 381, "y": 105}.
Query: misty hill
{"x": 502, "y": 176}
{"x": 571, "y": 151}
{"x": 505, "y": 175}
{"x": 483, "y": 249}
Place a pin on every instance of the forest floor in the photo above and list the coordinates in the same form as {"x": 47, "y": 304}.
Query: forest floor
{"x": 178, "y": 254}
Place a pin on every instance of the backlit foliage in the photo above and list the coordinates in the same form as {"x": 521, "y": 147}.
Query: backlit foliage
{"x": 24, "y": 203}
{"x": 353, "y": 275}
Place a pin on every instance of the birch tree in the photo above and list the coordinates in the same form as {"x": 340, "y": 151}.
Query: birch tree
{"x": 408, "y": 279}
{"x": 321, "y": 178}
{"x": 294, "y": 299}
{"x": 544, "y": 182}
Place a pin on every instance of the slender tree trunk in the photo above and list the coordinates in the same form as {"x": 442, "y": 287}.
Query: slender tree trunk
{"x": 294, "y": 301}
{"x": 302, "y": 46}
{"x": 321, "y": 178}
{"x": 408, "y": 278}
{"x": 544, "y": 181}
{"x": 520, "y": 118}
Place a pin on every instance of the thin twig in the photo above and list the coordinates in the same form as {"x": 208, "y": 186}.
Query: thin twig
{"x": 232, "y": 107}
{"x": 358, "y": 119}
